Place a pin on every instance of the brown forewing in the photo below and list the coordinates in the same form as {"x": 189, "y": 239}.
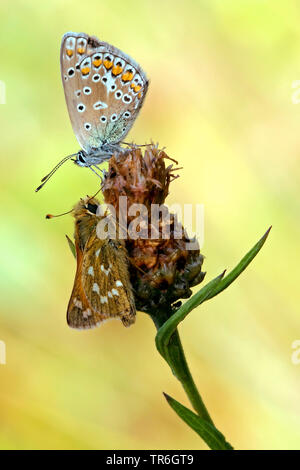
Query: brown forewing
{"x": 105, "y": 279}
{"x": 80, "y": 314}
{"x": 102, "y": 288}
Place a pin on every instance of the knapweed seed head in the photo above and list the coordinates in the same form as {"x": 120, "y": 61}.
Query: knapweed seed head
{"x": 162, "y": 268}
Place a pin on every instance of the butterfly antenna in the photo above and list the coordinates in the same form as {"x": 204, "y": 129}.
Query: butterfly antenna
{"x": 51, "y": 216}
{"x": 47, "y": 177}
{"x": 92, "y": 197}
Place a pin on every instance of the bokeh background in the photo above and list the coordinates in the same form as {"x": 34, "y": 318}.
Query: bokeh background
{"x": 221, "y": 99}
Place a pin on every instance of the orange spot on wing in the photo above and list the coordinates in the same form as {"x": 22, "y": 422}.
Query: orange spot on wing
{"x": 107, "y": 64}
{"x": 135, "y": 88}
{"x": 69, "y": 52}
{"x": 80, "y": 50}
{"x": 97, "y": 62}
{"x": 117, "y": 70}
{"x": 127, "y": 76}
{"x": 85, "y": 70}
{"x": 140, "y": 95}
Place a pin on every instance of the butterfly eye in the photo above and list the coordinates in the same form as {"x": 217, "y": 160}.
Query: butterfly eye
{"x": 80, "y": 157}
{"x": 92, "y": 208}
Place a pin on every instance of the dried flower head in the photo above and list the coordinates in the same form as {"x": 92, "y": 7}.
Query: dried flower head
{"x": 162, "y": 268}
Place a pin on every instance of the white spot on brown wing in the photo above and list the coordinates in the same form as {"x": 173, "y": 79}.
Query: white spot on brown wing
{"x": 97, "y": 60}
{"x": 97, "y": 252}
{"x": 103, "y": 299}
{"x": 87, "y": 90}
{"x": 70, "y": 43}
{"x": 71, "y": 72}
{"x": 109, "y": 294}
{"x": 99, "y": 105}
{"x": 106, "y": 271}
{"x": 96, "y": 288}
{"x": 126, "y": 99}
{"x": 96, "y": 77}
{"x": 119, "y": 283}
{"x": 81, "y": 45}
{"x": 108, "y": 81}
{"x": 114, "y": 292}
{"x": 77, "y": 303}
{"x": 81, "y": 108}
{"x": 87, "y": 313}
{"x": 91, "y": 271}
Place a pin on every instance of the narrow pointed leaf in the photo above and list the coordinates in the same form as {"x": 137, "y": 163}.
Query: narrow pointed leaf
{"x": 167, "y": 329}
{"x": 240, "y": 267}
{"x": 72, "y": 246}
{"x": 207, "y": 292}
{"x": 211, "y": 436}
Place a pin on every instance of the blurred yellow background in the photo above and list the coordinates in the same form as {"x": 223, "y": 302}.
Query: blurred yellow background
{"x": 221, "y": 101}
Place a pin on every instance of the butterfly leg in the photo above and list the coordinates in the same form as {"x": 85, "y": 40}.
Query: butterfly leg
{"x": 102, "y": 171}
{"x": 134, "y": 145}
{"x": 99, "y": 169}
{"x": 91, "y": 168}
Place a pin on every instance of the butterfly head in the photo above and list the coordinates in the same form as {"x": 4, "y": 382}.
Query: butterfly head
{"x": 87, "y": 214}
{"x": 81, "y": 158}
{"x": 88, "y": 207}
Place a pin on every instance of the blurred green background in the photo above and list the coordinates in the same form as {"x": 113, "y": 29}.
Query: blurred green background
{"x": 220, "y": 100}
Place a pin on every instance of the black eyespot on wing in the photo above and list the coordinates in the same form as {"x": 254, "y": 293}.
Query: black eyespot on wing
{"x": 93, "y": 42}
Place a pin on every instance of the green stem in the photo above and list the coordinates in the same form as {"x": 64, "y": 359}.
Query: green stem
{"x": 175, "y": 357}
{"x": 169, "y": 346}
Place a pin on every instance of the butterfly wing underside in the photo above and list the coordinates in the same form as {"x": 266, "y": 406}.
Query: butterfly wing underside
{"x": 105, "y": 280}
{"x": 80, "y": 315}
{"x": 104, "y": 89}
{"x": 102, "y": 288}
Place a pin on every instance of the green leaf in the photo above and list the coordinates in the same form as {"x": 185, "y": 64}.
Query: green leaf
{"x": 72, "y": 246}
{"x": 167, "y": 329}
{"x": 213, "y": 438}
{"x": 207, "y": 292}
{"x": 240, "y": 267}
